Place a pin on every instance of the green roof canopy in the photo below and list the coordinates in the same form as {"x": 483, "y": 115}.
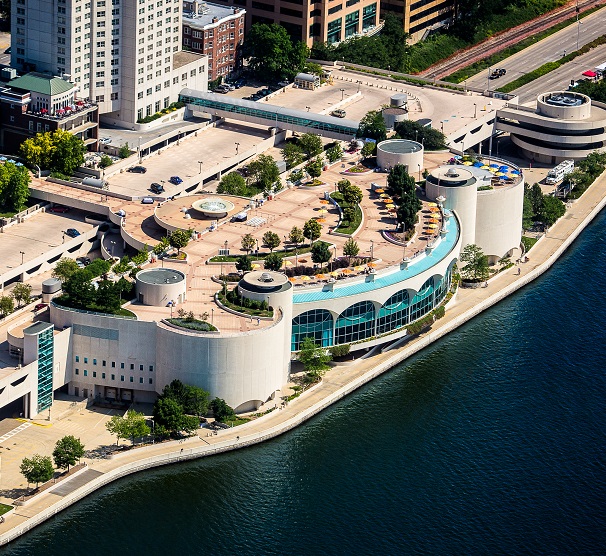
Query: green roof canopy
{"x": 43, "y": 83}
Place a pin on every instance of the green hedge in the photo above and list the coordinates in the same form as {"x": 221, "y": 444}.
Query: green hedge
{"x": 171, "y": 108}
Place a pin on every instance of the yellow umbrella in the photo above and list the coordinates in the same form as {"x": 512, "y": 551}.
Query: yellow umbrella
{"x": 433, "y": 221}
{"x": 390, "y": 205}
{"x": 305, "y": 278}
{"x": 387, "y": 200}
{"x": 320, "y": 219}
{"x": 432, "y": 204}
{"x": 347, "y": 271}
{"x": 432, "y": 226}
{"x": 371, "y": 264}
{"x": 499, "y": 174}
{"x": 485, "y": 167}
{"x": 320, "y": 277}
{"x": 334, "y": 273}
{"x": 493, "y": 170}
{"x": 256, "y": 266}
{"x": 379, "y": 190}
{"x": 358, "y": 268}
{"x": 323, "y": 211}
{"x": 434, "y": 209}
{"x": 286, "y": 263}
{"x": 467, "y": 163}
{"x": 323, "y": 202}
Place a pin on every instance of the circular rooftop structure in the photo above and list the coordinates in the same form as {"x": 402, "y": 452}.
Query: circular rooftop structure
{"x": 454, "y": 176}
{"x": 160, "y": 286}
{"x": 264, "y": 281}
{"x": 564, "y": 105}
{"x": 400, "y": 151}
{"x": 213, "y": 206}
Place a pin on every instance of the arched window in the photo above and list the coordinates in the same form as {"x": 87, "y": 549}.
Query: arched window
{"x": 355, "y": 323}
{"x": 443, "y": 286}
{"x": 316, "y": 324}
{"x": 422, "y": 303}
{"x": 394, "y": 312}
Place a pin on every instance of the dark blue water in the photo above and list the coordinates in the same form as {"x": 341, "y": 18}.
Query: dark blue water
{"x": 491, "y": 442}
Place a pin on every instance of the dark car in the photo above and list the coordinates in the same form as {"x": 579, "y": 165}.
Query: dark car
{"x": 240, "y": 83}
{"x": 60, "y": 209}
{"x": 156, "y": 188}
{"x": 138, "y": 169}
{"x": 501, "y": 71}
{"x": 72, "y": 232}
{"x": 84, "y": 260}
{"x": 40, "y": 306}
{"x": 175, "y": 180}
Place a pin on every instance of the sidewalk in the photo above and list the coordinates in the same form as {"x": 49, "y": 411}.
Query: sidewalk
{"x": 337, "y": 383}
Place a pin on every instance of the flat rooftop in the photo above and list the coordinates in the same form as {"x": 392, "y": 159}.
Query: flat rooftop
{"x": 158, "y": 276}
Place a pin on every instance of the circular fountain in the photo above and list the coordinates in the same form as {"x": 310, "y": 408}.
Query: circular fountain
{"x": 213, "y": 207}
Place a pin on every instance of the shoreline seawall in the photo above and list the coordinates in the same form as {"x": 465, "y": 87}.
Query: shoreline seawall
{"x": 328, "y": 392}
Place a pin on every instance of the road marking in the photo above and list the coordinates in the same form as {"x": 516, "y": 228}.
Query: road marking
{"x": 12, "y": 433}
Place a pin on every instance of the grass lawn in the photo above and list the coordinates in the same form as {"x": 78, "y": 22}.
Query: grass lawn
{"x": 346, "y": 227}
{"x": 245, "y": 310}
{"x": 528, "y": 242}
{"x": 260, "y": 256}
{"x": 4, "y": 508}
{"x": 237, "y": 421}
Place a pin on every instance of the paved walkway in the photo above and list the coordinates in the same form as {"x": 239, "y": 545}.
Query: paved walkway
{"x": 337, "y": 383}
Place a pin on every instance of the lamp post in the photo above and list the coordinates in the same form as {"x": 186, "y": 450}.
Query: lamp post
{"x": 139, "y": 150}
{"x": 212, "y": 315}
{"x": 359, "y": 83}
{"x": 475, "y": 110}
{"x": 372, "y": 249}
{"x": 488, "y": 78}
{"x": 200, "y": 163}
{"x": 153, "y": 430}
{"x": 22, "y": 255}
{"x": 419, "y": 166}
{"x": 237, "y": 148}
{"x": 162, "y": 182}
{"x": 442, "y": 125}
{"x": 342, "y": 93}
{"x": 178, "y": 136}
{"x": 308, "y": 108}
{"x": 112, "y": 243}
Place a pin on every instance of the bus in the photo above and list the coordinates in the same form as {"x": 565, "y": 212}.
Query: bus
{"x": 557, "y": 174}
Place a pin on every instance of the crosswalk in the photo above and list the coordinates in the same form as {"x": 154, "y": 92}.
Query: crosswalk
{"x": 12, "y": 433}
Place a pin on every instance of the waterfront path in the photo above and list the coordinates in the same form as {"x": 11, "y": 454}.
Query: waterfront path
{"x": 337, "y": 383}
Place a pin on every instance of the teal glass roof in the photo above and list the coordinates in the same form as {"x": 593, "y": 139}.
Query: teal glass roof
{"x": 414, "y": 269}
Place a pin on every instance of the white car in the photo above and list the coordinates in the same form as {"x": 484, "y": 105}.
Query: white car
{"x": 105, "y": 140}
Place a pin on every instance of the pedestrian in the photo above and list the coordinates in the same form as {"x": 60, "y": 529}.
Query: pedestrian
{"x": 238, "y": 438}
{"x": 258, "y": 321}
{"x": 519, "y": 270}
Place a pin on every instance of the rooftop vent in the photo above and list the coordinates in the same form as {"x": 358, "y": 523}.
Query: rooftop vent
{"x": 266, "y": 277}
{"x": 452, "y": 173}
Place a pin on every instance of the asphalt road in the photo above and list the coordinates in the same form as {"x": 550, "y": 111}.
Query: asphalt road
{"x": 548, "y": 50}
{"x": 560, "y": 78}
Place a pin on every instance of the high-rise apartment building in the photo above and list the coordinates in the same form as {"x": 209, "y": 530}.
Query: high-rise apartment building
{"x": 124, "y": 55}
{"x": 314, "y": 21}
{"x": 421, "y": 16}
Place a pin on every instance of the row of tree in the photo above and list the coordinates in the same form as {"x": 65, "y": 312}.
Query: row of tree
{"x": 538, "y": 207}
{"x": 20, "y": 294}
{"x": 58, "y": 151}
{"x": 14, "y": 187}
{"x": 263, "y": 176}
{"x": 39, "y": 469}
{"x": 401, "y": 186}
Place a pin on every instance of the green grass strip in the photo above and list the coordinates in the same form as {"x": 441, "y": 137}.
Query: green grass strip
{"x": 550, "y": 66}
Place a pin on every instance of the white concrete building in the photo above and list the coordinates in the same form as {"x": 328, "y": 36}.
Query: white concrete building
{"x": 124, "y": 54}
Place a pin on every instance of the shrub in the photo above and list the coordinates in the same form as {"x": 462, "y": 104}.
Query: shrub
{"x": 340, "y": 351}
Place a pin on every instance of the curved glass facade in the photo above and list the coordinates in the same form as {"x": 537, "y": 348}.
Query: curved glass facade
{"x": 360, "y": 321}
{"x": 316, "y": 324}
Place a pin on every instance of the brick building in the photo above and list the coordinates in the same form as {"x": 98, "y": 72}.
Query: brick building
{"x": 217, "y": 31}
{"x": 36, "y": 103}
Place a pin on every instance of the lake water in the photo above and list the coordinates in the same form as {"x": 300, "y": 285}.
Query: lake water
{"x": 489, "y": 442}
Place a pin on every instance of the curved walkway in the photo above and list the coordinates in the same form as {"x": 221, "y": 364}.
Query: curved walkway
{"x": 337, "y": 383}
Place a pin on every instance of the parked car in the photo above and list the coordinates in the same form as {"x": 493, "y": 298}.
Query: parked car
{"x": 72, "y": 232}
{"x": 175, "y": 180}
{"x": 40, "y": 306}
{"x": 84, "y": 260}
{"x": 338, "y": 113}
{"x": 147, "y": 201}
{"x": 240, "y": 82}
{"x": 80, "y": 264}
{"x": 137, "y": 170}
{"x": 283, "y": 83}
{"x": 222, "y": 89}
{"x": 60, "y": 209}
{"x": 156, "y": 188}
{"x": 105, "y": 140}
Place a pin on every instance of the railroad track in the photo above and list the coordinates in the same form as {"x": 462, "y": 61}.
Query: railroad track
{"x": 507, "y": 38}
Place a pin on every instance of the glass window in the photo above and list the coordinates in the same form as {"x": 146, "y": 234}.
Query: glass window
{"x": 86, "y": 359}
{"x": 151, "y": 368}
{"x": 103, "y": 376}
{"x": 369, "y": 16}
{"x": 77, "y": 359}
{"x": 122, "y": 365}
{"x": 394, "y": 313}
{"x": 132, "y": 366}
{"x": 77, "y": 371}
{"x": 121, "y": 378}
{"x": 94, "y": 374}
{"x": 316, "y": 324}
{"x": 334, "y": 31}
{"x": 113, "y": 377}
{"x": 422, "y": 302}
{"x": 94, "y": 361}
{"x": 352, "y": 21}
{"x": 113, "y": 364}
{"x": 140, "y": 380}
{"x": 355, "y": 323}
{"x": 151, "y": 380}
{"x": 132, "y": 379}
{"x": 85, "y": 372}
{"x": 103, "y": 363}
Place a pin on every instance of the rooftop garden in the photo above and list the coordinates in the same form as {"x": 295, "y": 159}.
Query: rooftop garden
{"x": 189, "y": 321}
{"x": 232, "y": 300}
{"x": 348, "y": 198}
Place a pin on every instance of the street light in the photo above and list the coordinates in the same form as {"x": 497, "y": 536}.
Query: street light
{"x": 372, "y": 249}
{"x": 342, "y": 93}
{"x": 237, "y": 148}
{"x": 475, "y": 110}
{"x": 308, "y": 108}
{"x": 419, "y": 171}
{"x": 200, "y": 163}
{"x": 442, "y": 125}
{"x": 359, "y": 83}
{"x": 153, "y": 430}
{"x": 22, "y": 255}
{"x": 113, "y": 243}
{"x": 178, "y": 136}
{"x": 578, "y": 29}
{"x": 139, "y": 150}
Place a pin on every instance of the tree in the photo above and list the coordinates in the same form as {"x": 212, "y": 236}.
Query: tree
{"x": 270, "y": 52}
{"x": 273, "y": 261}
{"x": 535, "y": 195}
{"x": 372, "y": 126}
{"x": 334, "y": 153}
{"x": 79, "y": 290}
{"x": 124, "y": 151}
{"x": 122, "y": 266}
{"x": 352, "y": 195}
{"x": 37, "y": 469}
{"x": 192, "y": 399}
{"x": 22, "y": 293}
{"x": 64, "y": 269}
{"x": 293, "y": 154}
{"x": 476, "y": 268}
{"x": 58, "y": 150}
{"x": 295, "y": 236}
{"x": 264, "y": 172}
{"x": 311, "y": 144}
{"x": 105, "y": 161}
{"x": 233, "y": 184}
{"x": 67, "y": 451}
{"x": 432, "y": 139}
{"x": 117, "y": 425}
{"x": 14, "y": 187}
{"x": 314, "y": 168}
{"x": 161, "y": 246}
{"x": 320, "y": 252}
{"x": 135, "y": 426}
{"x": 7, "y": 305}
{"x": 248, "y": 243}
{"x": 141, "y": 257}
{"x": 243, "y": 263}
{"x": 351, "y": 249}
{"x": 98, "y": 267}
{"x": 315, "y": 359}
{"x": 402, "y": 187}
{"x": 349, "y": 214}
{"x": 527, "y": 214}
{"x": 179, "y": 239}
{"x": 271, "y": 240}
{"x": 169, "y": 414}
{"x": 551, "y": 209}
{"x": 312, "y": 230}
{"x": 369, "y": 149}
{"x": 221, "y": 410}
